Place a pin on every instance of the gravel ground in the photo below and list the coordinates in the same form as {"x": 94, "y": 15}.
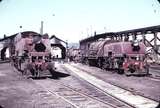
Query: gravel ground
{"x": 19, "y": 92}
{"x": 139, "y": 85}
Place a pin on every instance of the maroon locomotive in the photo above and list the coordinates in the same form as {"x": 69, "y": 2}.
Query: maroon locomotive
{"x": 122, "y": 56}
{"x": 33, "y": 54}
{"x": 74, "y": 54}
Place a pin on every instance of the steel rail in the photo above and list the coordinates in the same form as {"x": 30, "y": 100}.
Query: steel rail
{"x": 118, "y": 87}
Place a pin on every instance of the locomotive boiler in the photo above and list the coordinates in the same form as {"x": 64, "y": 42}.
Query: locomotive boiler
{"x": 33, "y": 54}
{"x": 121, "y": 56}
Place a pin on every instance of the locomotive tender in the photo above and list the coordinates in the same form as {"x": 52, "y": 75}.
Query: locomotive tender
{"x": 123, "y": 56}
{"x": 33, "y": 54}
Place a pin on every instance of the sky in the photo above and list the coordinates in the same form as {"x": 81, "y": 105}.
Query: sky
{"x": 73, "y": 20}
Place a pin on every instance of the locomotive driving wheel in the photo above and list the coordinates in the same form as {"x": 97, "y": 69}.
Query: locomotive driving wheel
{"x": 99, "y": 63}
{"x": 25, "y": 71}
{"x": 87, "y": 62}
{"x": 120, "y": 71}
{"x": 103, "y": 66}
{"x": 147, "y": 70}
{"x": 51, "y": 69}
{"x": 37, "y": 73}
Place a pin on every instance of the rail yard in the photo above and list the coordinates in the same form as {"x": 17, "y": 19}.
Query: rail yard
{"x": 80, "y": 54}
{"x": 109, "y": 70}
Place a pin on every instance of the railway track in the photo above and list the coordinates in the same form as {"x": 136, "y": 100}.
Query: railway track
{"x": 121, "y": 94}
{"x": 150, "y": 77}
{"x": 75, "y": 98}
{"x": 155, "y": 74}
{"x": 96, "y": 93}
{"x": 79, "y": 93}
{"x": 155, "y": 78}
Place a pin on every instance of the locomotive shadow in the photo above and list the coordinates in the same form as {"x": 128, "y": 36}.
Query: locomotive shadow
{"x": 138, "y": 75}
{"x": 55, "y": 75}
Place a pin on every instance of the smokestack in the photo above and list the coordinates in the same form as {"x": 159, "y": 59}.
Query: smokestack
{"x": 95, "y": 33}
{"x": 41, "y": 29}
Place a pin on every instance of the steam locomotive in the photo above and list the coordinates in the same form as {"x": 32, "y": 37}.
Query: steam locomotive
{"x": 33, "y": 54}
{"x": 122, "y": 56}
{"x": 74, "y": 54}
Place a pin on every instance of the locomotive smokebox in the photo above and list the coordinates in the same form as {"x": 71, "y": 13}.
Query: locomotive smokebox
{"x": 135, "y": 45}
{"x": 40, "y": 47}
